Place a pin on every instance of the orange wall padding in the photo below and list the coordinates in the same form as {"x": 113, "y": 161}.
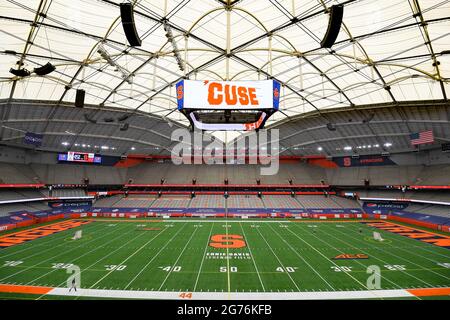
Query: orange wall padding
{"x": 415, "y": 222}
{"x": 129, "y": 162}
{"x": 323, "y": 163}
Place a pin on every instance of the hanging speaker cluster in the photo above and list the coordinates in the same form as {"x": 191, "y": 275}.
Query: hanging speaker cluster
{"x": 20, "y": 72}
{"x": 79, "y": 98}
{"x": 40, "y": 71}
{"x": 45, "y": 69}
{"x": 129, "y": 27}
{"x": 334, "y": 26}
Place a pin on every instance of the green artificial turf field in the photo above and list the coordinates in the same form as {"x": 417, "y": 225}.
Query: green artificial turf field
{"x": 185, "y": 256}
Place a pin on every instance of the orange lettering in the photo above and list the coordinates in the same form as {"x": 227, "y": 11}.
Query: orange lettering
{"x": 438, "y": 242}
{"x": 230, "y": 97}
{"x": 243, "y": 98}
{"x": 252, "y": 95}
{"x": 212, "y": 98}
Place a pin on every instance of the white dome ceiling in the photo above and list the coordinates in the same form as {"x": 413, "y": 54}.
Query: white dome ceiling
{"x": 399, "y": 45}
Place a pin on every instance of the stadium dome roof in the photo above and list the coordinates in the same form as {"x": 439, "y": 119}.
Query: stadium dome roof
{"x": 388, "y": 51}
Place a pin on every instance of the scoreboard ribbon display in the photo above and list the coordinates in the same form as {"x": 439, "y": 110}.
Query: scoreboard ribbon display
{"x": 79, "y": 157}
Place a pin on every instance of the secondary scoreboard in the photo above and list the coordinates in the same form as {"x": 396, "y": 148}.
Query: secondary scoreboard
{"x": 79, "y": 157}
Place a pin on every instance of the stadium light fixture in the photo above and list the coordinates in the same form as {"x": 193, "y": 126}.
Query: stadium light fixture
{"x": 348, "y": 148}
{"x": 388, "y": 144}
{"x": 319, "y": 149}
{"x": 125, "y": 74}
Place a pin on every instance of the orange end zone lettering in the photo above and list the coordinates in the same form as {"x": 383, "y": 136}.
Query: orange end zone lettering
{"x": 231, "y": 241}
{"x": 413, "y": 233}
{"x": 39, "y": 232}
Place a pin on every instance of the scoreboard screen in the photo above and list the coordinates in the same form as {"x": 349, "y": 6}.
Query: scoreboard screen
{"x": 79, "y": 157}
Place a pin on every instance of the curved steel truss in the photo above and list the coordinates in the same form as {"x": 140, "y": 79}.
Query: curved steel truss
{"x": 388, "y": 51}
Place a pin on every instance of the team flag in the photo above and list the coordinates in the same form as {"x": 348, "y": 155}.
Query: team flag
{"x": 422, "y": 137}
{"x": 33, "y": 138}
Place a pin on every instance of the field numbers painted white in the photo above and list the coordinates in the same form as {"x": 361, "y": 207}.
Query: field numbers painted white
{"x": 61, "y": 265}
{"x": 171, "y": 269}
{"x": 12, "y": 263}
{"x": 341, "y": 268}
{"x": 287, "y": 269}
{"x": 395, "y": 267}
{"x": 445, "y": 265}
{"x": 232, "y": 269}
{"x": 113, "y": 267}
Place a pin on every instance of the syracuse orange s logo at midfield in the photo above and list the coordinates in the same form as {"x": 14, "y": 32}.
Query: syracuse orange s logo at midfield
{"x": 232, "y": 94}
{"x": 231, "y": 241}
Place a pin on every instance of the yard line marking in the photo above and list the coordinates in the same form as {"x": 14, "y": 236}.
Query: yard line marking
{"x": 346, "y": 272}
{"x": 228, "y": 261}
{"x": 154, "y": 257}
{"x": 404, "y": 259}
{"x": 179, "y": 256}
{"x": 86, "y": 253}
{"x": 52, "y": 257}
{"x": 251, "y": 254}
{"x": 204, "y": 255}
{"x": 135, "y": 252}
{"x": 279, "y": 261}
{"x": 304, "y": 260}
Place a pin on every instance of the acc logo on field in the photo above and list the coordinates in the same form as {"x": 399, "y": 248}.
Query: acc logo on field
{"x": 346, "y": 256}
{"x": 230, "y": 241}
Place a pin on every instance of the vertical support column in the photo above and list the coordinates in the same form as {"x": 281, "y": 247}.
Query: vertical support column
{"x": 186, "y": 44}
{"x": 228, "y": 43}
{"x": 300, "y": 73}
{"x": 165, "y": 8}
{"x": 270, "y": 56}
{"x": 154, "y": 75}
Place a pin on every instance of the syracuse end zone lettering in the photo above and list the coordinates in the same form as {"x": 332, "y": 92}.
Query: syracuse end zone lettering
{"x": 424, "y": 236}
{"x": 230, "y": 241}
{"x": 35, "y": 233}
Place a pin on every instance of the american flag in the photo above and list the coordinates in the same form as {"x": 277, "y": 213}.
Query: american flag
{"x": 422, "y": 137}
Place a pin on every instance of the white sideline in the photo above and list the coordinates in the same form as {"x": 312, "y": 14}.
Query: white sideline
{"x": 170, "y": 295}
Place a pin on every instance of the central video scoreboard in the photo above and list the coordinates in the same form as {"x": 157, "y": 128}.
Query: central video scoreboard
{"x": 82, "y": 157}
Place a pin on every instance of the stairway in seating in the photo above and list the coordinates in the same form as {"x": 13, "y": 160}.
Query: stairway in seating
{"x": 301, "y": 204}
{"x": 264, "y": 204}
